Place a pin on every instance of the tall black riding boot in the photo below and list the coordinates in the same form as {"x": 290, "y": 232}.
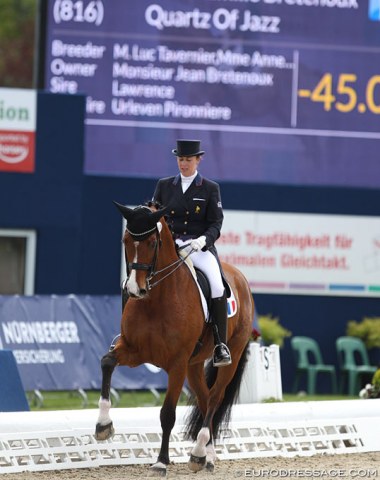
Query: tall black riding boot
{"x": 221, "y": 356}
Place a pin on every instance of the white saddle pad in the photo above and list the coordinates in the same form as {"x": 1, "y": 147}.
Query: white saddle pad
{"x": 231, "y": 301}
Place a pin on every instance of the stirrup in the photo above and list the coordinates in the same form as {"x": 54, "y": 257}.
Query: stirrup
{"x": 221, "y": 356}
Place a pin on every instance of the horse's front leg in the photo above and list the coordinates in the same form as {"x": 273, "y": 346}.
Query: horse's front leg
{"x": 104, "y": 426}
{"x": 176, "y": 379}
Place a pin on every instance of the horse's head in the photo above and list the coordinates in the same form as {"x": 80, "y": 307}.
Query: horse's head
{"x": 142, "y": 241}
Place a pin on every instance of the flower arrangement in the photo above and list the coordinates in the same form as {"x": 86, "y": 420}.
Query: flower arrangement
{"x": 255, "y": 335}
{"x": 372, "y": 390}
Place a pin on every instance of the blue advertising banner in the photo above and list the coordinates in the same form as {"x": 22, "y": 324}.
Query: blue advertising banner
{"x": 279, "y": 91}
{"x": 58, "y": 342}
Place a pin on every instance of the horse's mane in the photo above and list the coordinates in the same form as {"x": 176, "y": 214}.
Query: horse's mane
{"x": 158, "y": 206}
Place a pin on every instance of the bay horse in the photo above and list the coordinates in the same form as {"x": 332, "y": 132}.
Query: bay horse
{"x": 163, "y": 323}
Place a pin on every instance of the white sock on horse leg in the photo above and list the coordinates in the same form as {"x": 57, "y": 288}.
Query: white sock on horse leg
{"x": 203, "y": 437}
{"x": 158, "y": 466}
{"x": 104, "y": 408}
{"x": 210, "y": 453}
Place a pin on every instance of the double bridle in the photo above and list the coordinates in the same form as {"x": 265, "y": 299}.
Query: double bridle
{"x": 151, "y": 268}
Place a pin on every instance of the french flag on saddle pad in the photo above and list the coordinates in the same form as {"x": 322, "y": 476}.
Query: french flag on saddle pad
{"x": 231, "y": 305}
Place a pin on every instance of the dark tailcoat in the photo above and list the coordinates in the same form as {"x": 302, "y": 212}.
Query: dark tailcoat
{"x": 196, "y": 212}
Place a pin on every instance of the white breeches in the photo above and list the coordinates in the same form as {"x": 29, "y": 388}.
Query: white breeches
{"x": 208, "y": 264}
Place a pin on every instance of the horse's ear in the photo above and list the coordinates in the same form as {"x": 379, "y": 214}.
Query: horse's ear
{"x": 159, "y": 214}
{"x": 125, "y": 211}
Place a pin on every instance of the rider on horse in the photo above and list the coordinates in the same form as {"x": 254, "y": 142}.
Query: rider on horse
{"x": 162, "y": 323}
{"x": 195, "y": 217}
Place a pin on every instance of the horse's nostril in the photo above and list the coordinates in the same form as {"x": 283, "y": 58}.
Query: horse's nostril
{"x": 143, "y": 291}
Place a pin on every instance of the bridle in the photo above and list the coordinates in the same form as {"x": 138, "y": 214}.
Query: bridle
{"x": 151, "y": 268}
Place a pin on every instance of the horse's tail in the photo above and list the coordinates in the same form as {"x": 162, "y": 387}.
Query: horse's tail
{"x": 194, "y": 420}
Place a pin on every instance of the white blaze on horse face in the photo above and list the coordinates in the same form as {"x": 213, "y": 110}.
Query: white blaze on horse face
{"x": 132, "y": 285}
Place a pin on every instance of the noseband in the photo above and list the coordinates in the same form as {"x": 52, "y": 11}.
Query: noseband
{"x": 149, "y": 267}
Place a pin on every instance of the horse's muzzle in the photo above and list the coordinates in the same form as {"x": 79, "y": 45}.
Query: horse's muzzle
{"x": 142, "y": 293}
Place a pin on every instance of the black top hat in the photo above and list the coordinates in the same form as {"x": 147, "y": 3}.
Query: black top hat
{"x": 188, "y": 148}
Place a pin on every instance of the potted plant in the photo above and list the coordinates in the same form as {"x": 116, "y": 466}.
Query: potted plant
{"x": 367, "y": 330}
{"x": 272, "y": 332}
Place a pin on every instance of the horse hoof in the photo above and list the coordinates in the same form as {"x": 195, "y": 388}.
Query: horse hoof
{"x": 196, "y": 464}
{"x": 157, "y": 470}
{"x": 104, "y": 432}
{"x": 210, "y": 467}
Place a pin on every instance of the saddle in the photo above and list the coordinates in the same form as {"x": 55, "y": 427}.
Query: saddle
{"x": 205, "y": 289}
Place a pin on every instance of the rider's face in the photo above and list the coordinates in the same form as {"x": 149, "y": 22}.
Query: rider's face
{"x": 188, "y": 165}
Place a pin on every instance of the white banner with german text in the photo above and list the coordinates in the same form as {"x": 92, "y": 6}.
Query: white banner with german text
{"x": 309, "y": 254}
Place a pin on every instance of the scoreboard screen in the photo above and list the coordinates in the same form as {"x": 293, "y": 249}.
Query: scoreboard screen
{"x": 278, "y": 91}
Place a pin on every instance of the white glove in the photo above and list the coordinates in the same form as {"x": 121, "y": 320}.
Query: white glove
{"x": 198, "y": 243}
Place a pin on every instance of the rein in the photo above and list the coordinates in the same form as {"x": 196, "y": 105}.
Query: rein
{"x": 151, "y": 267}
{"x": 175, "y": 264}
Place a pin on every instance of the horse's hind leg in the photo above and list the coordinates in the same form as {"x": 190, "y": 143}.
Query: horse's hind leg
{"x": 220, "y": 401}
{"x": 104, "y": 426}
{"x": 203, "y": 453}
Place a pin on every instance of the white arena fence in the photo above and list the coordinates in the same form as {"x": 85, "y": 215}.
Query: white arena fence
{"x": 57, "y": 440}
